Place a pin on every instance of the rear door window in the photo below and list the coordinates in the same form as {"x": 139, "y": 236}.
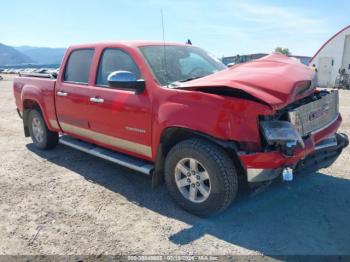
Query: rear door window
{"x": 78, "y": 66}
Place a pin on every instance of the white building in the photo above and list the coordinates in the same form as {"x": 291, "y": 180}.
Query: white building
{"x": 332, "y": 56}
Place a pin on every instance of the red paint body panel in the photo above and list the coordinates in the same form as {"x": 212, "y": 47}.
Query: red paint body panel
{"x": 271, "y": 79}
{"x": 210, "y": 114}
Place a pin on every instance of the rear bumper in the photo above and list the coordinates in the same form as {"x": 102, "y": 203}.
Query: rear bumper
{"x": 324, "y": 154}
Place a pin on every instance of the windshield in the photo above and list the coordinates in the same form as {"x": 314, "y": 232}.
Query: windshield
{"x": 173, "y": 64}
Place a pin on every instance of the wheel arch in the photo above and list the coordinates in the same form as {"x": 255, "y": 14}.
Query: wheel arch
{"x": 173, "y": 135}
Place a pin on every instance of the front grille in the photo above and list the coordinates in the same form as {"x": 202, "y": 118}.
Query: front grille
{"x": 315, "y": 115}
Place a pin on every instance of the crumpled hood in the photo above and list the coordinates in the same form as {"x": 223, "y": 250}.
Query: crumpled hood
{"x": 275, "y": 79}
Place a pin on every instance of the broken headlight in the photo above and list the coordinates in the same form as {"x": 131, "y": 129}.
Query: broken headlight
{"x": 281, "y": 133}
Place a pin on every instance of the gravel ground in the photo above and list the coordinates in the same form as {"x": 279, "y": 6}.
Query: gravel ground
{"x": 67, "y": 202}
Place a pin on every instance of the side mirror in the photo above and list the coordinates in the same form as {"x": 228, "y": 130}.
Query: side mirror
{"x": 126, "y": 80}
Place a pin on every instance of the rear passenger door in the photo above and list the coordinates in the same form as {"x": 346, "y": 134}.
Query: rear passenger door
{"x": 122, "y": 118}
{"x": 72, "y": 93}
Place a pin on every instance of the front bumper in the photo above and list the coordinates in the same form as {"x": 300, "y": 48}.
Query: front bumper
{"x": 326, "y": 152}
{"x": 262, "y": 166}
{"x": 324, "y": 155}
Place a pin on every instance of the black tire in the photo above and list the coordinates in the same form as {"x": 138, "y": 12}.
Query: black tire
{"x": 49, "y": 139}
{"x": 221, "y": 170}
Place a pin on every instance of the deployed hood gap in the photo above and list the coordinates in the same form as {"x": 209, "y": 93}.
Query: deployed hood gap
{"x": 230, "y": 92}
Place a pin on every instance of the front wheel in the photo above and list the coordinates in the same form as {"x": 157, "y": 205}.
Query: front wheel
{"x": 200, "y": 177}
{"x": 42, "y": 137}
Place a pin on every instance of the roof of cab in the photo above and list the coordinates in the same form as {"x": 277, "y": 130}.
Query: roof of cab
{"x": 125, "y": 43}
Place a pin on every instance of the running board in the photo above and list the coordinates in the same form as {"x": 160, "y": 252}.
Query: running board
{"x": 118, "y": 158}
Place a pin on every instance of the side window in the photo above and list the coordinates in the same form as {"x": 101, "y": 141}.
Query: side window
{"x": 115, "y": 60}
{"x": 78, "y": 66}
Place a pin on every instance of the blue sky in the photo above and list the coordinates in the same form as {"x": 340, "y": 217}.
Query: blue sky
{"x": 222, "y": 27}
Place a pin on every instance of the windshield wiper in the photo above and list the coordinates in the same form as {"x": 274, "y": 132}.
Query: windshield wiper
{"x": 177, "y": 83}
{"x": 189, "y": 79}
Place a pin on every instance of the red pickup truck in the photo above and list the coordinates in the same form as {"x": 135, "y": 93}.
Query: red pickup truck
{"x": 177, "y": 113}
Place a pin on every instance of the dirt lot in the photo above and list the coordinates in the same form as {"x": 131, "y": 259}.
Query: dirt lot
{"x": 67, "y": 202}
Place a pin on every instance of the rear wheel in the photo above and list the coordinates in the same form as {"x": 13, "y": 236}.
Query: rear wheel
{"x": 42, "y": 137}
{"x": 200, "y": 177}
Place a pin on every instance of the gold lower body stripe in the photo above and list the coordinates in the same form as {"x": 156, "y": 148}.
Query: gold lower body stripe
{"x": 54, "y": 124}
{"x": 108, "y": 140}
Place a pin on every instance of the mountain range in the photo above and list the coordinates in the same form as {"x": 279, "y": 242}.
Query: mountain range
{"x": 12, "y": 55}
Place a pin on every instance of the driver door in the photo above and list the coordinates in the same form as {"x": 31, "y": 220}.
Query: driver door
{"x": 119, "y": 118}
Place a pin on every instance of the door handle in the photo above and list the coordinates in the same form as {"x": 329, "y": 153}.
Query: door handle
{"x": 96, "y": 100}
{"x": 61, "y": 93}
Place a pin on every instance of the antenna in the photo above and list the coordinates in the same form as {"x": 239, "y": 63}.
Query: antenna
{"x": 164, "y": 49}
{"x": 161, "y": 13}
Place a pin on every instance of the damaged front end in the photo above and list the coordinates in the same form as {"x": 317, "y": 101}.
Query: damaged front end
{"x": 301, "y": 138}
{"x": 287, "y": 124}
